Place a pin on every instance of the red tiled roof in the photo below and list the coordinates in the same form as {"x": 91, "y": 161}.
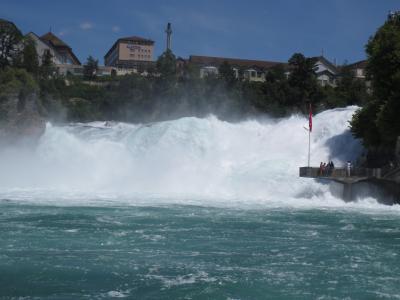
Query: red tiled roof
{"x": 362, "y": 64}
{"x": 136, "y": 39}
{"x": 129, "y": 39}
{"x": 210, "y": 60}
{"x": 55, "y": 41}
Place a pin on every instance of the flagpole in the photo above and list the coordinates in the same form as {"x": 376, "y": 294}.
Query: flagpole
{"x": 309, "y": 138}
{"x": 309, "y": 133}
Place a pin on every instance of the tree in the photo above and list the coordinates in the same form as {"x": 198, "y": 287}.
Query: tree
{"x": 166, "y": 65}
{"x": 166, "y": 82}
{"x": 276, "y": 73}
{"x": 30, "y": 61}
{"x": 227, "y": 73}
{"x": 10, "y": 39}
{"x": 191, "y": 71}
{"x": 47, "y": 68}
{"x": 383, "y": 70}
{"x": 302, "y": 79}
{"x": 90, "y": 68}
{"x": 303, "y": 70}
{"x": 349, "y": 90}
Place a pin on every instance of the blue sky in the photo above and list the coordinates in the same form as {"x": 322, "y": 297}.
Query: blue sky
{"x": 259, "y": 29}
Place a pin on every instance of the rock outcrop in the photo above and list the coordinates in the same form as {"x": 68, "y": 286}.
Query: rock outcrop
{"x": 21, "y": 119}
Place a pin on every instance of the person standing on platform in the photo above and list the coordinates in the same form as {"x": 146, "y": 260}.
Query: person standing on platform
{"x": 348, "y": 168}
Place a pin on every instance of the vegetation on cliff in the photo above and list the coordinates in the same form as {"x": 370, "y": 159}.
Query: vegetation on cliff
{"x": 378, "y": 122}
{"x": 168, "y": 92}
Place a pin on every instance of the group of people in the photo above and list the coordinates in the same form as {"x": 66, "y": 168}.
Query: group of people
{"x": 326, "y": 169}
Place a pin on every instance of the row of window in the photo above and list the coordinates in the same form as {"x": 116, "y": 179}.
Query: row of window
{"x": 140, "y": 50}
{"x": 137, "y": 43}
{"x": 246, "y": 73}
{"x": 112, "y": 57}
{"x": 134, "y": 48}
{"x": 253, "y": 74}
{"x": 140, "y": 56}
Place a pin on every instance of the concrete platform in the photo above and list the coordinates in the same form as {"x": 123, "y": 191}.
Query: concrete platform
{"x": 340, "y": 175}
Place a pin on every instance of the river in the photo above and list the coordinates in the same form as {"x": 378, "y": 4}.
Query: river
{"x": 191, "y": 209}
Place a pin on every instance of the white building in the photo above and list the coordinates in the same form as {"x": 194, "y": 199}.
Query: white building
{"x": 62, "y": 55}
{"x": 246, "y": 69}
{"x": 325, "y": 71}
{"x": 208, "y": 70}
{"x": 359, "y": 69}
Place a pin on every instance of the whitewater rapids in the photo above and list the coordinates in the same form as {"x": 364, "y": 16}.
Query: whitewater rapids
{"x": 189, "y": 160}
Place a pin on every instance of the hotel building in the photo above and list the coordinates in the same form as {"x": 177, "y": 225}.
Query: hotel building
{"x": 132, "y": 54}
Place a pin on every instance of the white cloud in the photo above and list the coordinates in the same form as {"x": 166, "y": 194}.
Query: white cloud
{"x": 86, "y": 25}
{"x": 63, "y": 32}
{"x": 116, "y": 28}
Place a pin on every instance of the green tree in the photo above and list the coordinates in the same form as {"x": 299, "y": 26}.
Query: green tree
{"x": 165, "y": 87}
{"x": 15, "y": 80}
{"x": 191, "y": 71}
{"x": 166, "y": 65}
{"x": 383, "y": 70}
{"x": 90, "y": 68}
{"x": 302, "y": 78}
{"x": 276, "y": 73}
{"x": 10, "y": 39}
{"x": 30, "y": 61}
{"x": 349, "y": 90}
{"x": 302, "y": 71}
{"x": 227, "y": 73}
{"x": 47, "y": 69}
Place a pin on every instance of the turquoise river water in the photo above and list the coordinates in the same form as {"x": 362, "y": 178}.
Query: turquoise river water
{"x": 192, "y": 209}
{"x": 191, "y": 252}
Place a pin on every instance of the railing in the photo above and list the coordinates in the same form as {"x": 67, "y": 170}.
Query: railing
{"x": 339, "y": 172}
{"x": 390, "y": 170}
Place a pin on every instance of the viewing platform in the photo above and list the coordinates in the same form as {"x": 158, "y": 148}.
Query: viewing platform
{"x": 387, "y": 179}
{"x": 340, "y": 175}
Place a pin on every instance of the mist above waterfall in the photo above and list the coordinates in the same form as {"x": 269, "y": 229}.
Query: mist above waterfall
{"x": 188, "y": 158}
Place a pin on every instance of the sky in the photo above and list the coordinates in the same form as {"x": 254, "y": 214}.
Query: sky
{"x": 258, "y": 29}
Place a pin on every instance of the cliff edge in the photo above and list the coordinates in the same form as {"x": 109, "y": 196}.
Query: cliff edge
{"x": 21, "y": 120}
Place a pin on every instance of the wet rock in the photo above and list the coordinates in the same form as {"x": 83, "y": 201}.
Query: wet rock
{"x": 21, "y": 119}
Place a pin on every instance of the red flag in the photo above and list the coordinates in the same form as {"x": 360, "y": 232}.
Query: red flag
{"x": 310, "y": 119}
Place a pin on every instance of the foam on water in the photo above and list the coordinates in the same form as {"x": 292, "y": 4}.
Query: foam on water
{"x": 190, "y": 160}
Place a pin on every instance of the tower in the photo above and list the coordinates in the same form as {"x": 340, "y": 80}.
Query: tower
{"x": 168, "y": 31}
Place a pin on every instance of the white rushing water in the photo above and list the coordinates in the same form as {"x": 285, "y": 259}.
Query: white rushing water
{"x": 190, "y": 160}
